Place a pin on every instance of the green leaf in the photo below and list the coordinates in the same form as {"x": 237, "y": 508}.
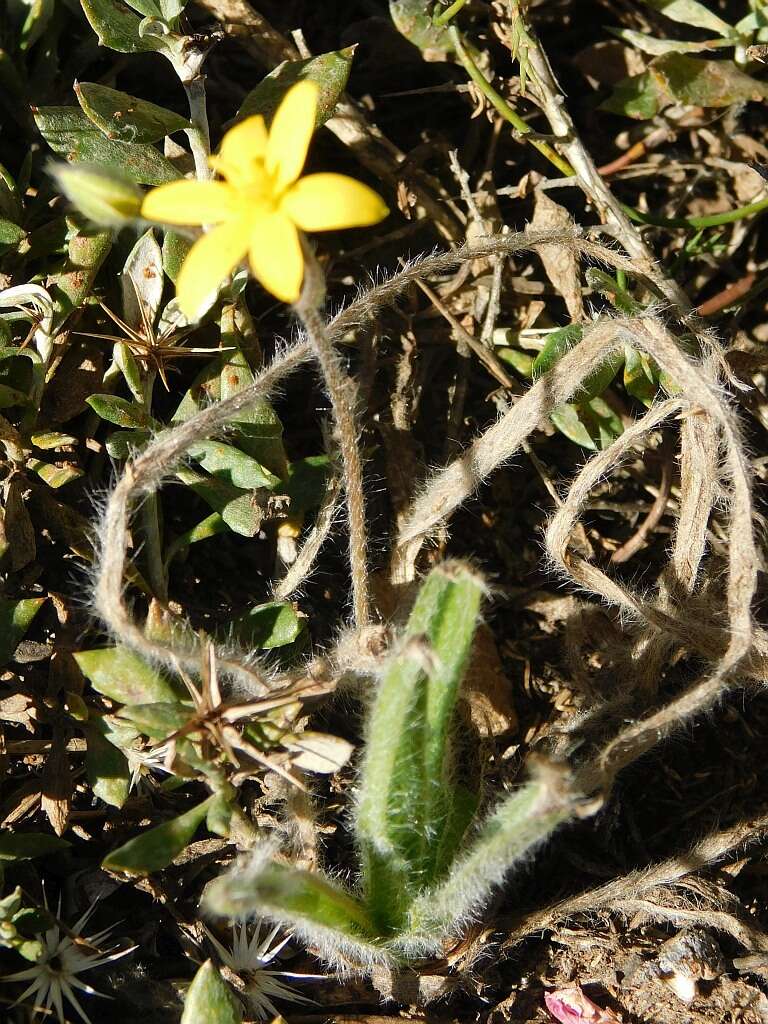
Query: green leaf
{"x": 210, "y": 1000}
{"x": 706, "y": 83}
{"x": 677, "y": 78}
{"x": 54, "y": 476}
{"x": 329, "y": 71}
{"x": 220, "y": 812}
{"x": 413, "y": 19}
{"x": 118, "y": 410}
{"x": 558, "y": 343}
{"x": 657, "y": 47}
{"x": 49, "y": 439}
{"x": 294, "y": 896}
{"x": 25, "y": 845}
{"x": 105, "y": 764}
{"x": 121, "y": 444}
{"x": 125, "y": 118}
{"x": 126, "y": 363}
{"x": 39, "y": 14}
{"x": 617, "y": 295}
{"x": 155, "y": 849}
{"x": 593, "y": 424}
{"x": 257, "y": 429}
{"x": 158, "y": 720}
{"x": 11, "y": 207}
{"x": 266, "y": 626}
{"x": 164, "y": 10}
{"x": 10, "y": 233}
{"x": 519, "y": 823}
{"x": 521, "y": 362}
{"x": 15, "y": 619}
{"x": 236, "y": 507}
{"x": 691, "y": 12}
{"x": 71, "y": 134}
{"x": 175, "y": 250}
{"x": 232, "y": 466}
{"x": 306, "y": 483}
{"x": 69, "y": 288}
{"x": 641, "y": 376}
{"x": 11, "y": 396}
{"x": 123, "y": 676}
{"x": 563, "y": 340}
{"x": 404, "y": 811}
{"x": 118, "y": 28}
{"x": 209, "y": 527}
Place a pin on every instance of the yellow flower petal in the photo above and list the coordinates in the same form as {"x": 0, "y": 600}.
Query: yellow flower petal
{"x": 189, "y": 202}
{"x": 276, "y": 257}
{"x": 290, "y": 133}
{"x": 328, "y": 202}
{"x": 242, "y": 151}
{"x": 210, "y": 260}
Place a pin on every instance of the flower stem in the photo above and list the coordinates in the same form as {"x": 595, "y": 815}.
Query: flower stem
{"x": 150, "y": 515}
{"x": 439, "y": 20}
{"x": 199, "y": 134}
{"x": 342, "y": 392}
{"x": 712, "y": 220}
{"x": 501, "y": 105}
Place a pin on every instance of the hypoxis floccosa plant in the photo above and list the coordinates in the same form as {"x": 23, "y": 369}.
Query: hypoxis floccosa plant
{"x": 425, "y": 867}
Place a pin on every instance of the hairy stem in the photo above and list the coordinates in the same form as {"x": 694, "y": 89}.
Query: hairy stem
{"x": 342, "y": 392}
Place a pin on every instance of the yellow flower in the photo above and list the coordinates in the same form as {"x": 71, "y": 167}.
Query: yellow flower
{"x": 261, "y": 205}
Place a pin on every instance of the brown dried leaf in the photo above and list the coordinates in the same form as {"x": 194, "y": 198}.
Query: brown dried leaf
{"x": 19, "y": 531}
{"x": 318, "y": 752}
{"x": 76, "y": 377}
{"x": 609, "y": 62}
{"x": 20, "y": 709}
{"x": 57, "y": 784}
{"x": 487, "y": 691}
{"x": 561, "y": 265}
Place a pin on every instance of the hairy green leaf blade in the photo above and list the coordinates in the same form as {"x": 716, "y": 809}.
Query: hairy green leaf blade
{"x": 522, "y": 821}
{"x": 403, "y": 810}
{"x": 300, "y": 898}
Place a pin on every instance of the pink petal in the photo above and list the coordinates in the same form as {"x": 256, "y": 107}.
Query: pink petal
{"x": 572, "y": 1006}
